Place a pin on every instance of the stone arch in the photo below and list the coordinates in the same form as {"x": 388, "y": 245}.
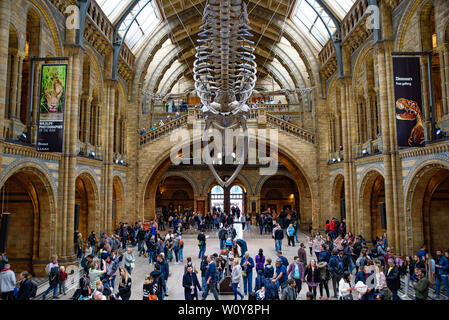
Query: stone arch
{"x": 187, "y": 177}
{"x": 44, "y": 11}
{"x": 295, "y": 166}
{"x": 273, "y": 195}
{"x": 88, "y": 199}
{"x": 370, "y": 191}
{"x": 118, "y": 193}
{"x": 337, "y": 194}
{"x": 31, "y": 236}
{"x": 422, "y": 225}
{"x": 407, "y": 16}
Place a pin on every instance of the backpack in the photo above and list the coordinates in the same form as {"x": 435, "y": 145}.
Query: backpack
{"x": 33, "y": 289}
{"x": 374, "y": 251}
{"x": 54, "y": 273}
{"x": 271, "y": 290}
{"x": 83, "y": 262}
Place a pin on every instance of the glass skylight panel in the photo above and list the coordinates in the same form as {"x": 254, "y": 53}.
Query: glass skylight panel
{"x": 312, "y": 17}
{"x": 341, "y": 7}
{"x": 113, "y": 8}
{"x": 139, "y": 28}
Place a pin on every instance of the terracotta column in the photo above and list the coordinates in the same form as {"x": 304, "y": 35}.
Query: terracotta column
{"x": 13, "y": 83}
{"x": 18, "y": 108}
{"x": 440, "y": 51}
{"x": 5, "y": 12}
{"x": 70, "y": 157}
{"x": 444, "y": 58}
{"x": 385, "y": 121}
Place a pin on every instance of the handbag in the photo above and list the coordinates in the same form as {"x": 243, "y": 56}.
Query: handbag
{"x": 132, "y": 265}
{"x": 244, "y": 273}
{"x": 348, "y": 297}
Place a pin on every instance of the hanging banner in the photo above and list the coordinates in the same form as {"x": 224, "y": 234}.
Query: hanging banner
{"x": 51, "y": 108}
{"x": 408, "y": 97}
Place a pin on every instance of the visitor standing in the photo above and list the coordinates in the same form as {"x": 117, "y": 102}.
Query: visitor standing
{"x": 191, "y": 284}
{"x": 247, "y": 265}
{"x": 7, "y": 283}
{"x": 201, "y": 244}
{"x": 211, "y": 278}
{"x": 237, "y": 277}
{"x": 52, "y": 270}
{"x": 124, "y": 288}
{"x": 296, "y": 272}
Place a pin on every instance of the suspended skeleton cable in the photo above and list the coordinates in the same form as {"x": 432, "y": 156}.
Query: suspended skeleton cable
{"x": 188, "y": 34}
{"x": 266, "y": 27}
{"x": 291, "y": 3}
{"x": 254, "y": 7}
{"x": 197, "y": 8}
{"x": 155, "y": 96}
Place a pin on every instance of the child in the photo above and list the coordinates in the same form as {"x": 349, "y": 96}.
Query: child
{"x": 62, "y": 279}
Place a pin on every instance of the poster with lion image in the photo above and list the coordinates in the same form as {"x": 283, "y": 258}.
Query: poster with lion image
{"x": 51, "y": 108}
{"x": 53, "y": 92}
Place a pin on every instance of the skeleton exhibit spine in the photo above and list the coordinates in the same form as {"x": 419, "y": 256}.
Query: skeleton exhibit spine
{"x": 225, "y": 70}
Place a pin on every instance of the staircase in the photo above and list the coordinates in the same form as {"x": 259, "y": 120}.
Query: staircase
{"x": 256, "y": 116}
{"x": 162, "y": 131}
{"x": 291, "y": 129}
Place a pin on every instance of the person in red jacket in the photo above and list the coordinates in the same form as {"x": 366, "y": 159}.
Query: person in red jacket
{"x": 62, "y": 279}
{"x": 332, "y": 228}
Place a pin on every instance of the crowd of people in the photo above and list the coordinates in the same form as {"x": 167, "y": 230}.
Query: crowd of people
{"x": 338, "y": 265}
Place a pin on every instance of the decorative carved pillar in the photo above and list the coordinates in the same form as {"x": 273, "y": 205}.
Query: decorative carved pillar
{"x": 444, "y": 58}
{"x": 5, "y": 13}
{"x": 13, "y": 89}
{"x": 86, "y": 124}
{"x": 17, "y": 111}
{"x": 382, "y": 56}
{"x": 67, "y": 209}
{"x": 97, "y": 137}
{"x": 369, "y": 116}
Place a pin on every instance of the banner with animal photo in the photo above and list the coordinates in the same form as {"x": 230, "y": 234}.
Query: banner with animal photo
{"x": 51, "y": 108}
{"x": 408, "y": 97}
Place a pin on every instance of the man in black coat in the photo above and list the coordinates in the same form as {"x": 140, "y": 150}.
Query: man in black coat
{"x": 393, "y": 280}
{"x": 191, "y": 285}
{"x": 26, "y": 287}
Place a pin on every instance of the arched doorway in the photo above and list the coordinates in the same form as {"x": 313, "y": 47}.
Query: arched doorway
{"x": 427, "y": 203}
{"x": 28, "y": 198}
{"x": 217, "y": 198}
{"x": 373, "y": 209}
{"x": 236, "y": 197}
{"x": 117, "y": 202}
{"x": 279, "y": 193}
{"x": 338, "y": 198}
{"x": 86, "y": 199}
{"x": 174, "y": 193}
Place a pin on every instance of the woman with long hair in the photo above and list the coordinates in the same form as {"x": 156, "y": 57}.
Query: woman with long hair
{"x": 408, "y": 270}
{"x": 344, "y": 287}
{"x": 236, "y": 278}
{"x": 124, "y": 288}
{"x": 313, "y": 276}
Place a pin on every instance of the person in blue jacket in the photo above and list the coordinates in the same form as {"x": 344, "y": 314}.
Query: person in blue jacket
{"x": 441, "y": 274}
{"x": 243, "y": 246}
{"x": 211, "y": 279}
{"x": 336, "y": 268}
{"x": 247, "y": 264}
{"x": 164, "y": 273}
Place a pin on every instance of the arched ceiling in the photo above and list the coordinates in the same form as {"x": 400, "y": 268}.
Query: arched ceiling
{"x": 305, "y": 25}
